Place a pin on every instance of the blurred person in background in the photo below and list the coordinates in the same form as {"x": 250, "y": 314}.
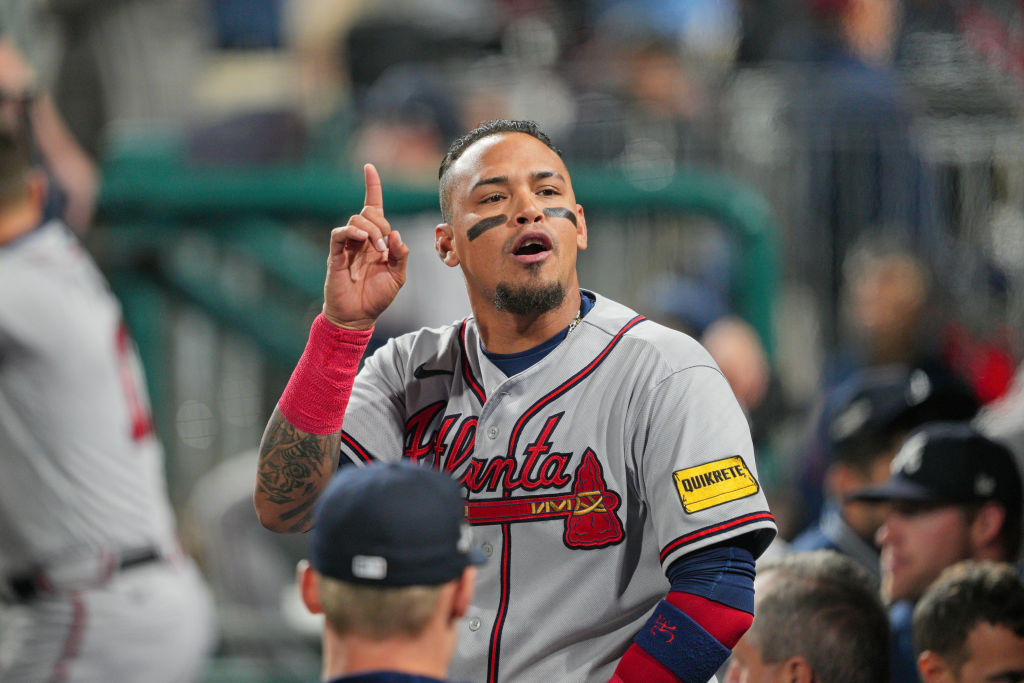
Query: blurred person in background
{"x": 93, "y": 583}
{"x": 392, "y": 569}
{"x": 952, "y": 495}
{"x": 639, "y": 103}
{"x": 407, "y": 119}
{"x": 114, "y": 66}
{"x": 969, "y": 625}
{"x": 1003, "y": 419}
{"x": 73, "y": 177}
{"x": 817, "y": 619}
{"x": 890, "y": 309}
{"x": 872, "y": 414}
{"x": 853, "y": 122}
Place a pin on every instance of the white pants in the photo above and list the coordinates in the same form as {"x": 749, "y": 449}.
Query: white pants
{"x": 152, "y": 622}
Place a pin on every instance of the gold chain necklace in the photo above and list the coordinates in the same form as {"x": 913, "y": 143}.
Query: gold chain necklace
{"x": 575, "y": 321}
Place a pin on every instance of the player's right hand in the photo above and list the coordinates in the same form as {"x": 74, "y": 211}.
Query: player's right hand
{"x": 366, "y": 265}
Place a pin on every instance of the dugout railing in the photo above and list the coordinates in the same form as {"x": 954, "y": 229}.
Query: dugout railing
{"x": 246, "y": 246}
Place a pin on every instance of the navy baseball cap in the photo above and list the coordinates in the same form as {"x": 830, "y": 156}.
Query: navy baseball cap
{"x": 879, "y": 403}
{"x": 392, "y": 524}
{"x": 950, "y": 463}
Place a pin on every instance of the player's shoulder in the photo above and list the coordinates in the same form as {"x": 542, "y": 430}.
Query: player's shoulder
{"x": 436, "y": 347}
{"x": 29, "y": 263}
{"x": 646, "y": 339}
{"x": 50, "y": 248}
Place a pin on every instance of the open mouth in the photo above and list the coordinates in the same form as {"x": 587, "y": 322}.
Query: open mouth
{"x": 532, "y": 244}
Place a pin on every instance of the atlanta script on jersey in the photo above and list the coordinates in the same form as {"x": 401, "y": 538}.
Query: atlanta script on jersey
{"x": 585, "y": 475}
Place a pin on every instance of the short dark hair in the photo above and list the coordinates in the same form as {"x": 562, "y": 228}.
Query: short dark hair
{"x": 826, "y": 608}
{"x": 485, "y": 129}
{"x": 964, "y": 595}
{"x": 15, "y": 163}
{"x": 1009, "y": 532}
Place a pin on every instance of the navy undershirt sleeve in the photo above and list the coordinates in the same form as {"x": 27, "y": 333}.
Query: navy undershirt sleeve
{"x": 721, "y": 573}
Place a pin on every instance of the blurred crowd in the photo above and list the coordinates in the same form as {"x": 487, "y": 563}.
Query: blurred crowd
{"x": 885, "y": 134}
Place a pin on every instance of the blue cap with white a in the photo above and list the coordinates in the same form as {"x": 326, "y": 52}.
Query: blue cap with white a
{"x": 394, "y": 524}
{"x": 950, "y": 463}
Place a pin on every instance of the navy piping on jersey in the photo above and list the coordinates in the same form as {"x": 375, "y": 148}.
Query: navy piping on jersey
{"x": 506, "y": 530}
{"x": 356, "y": 447}
{"x": 467, "y": 372}
{"x": 715, "y": 529}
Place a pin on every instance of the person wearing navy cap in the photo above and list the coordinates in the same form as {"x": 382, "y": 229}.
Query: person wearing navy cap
{"x": 953, "y": 495}
{"x": 873, "y": 413}
{"x": 391, "y": 567}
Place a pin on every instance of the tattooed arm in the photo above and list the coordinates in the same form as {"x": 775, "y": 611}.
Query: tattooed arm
{"x": 293, "y": 468}
{"x": 365, "y": 269}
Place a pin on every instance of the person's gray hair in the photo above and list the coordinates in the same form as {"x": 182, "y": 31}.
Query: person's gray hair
{"x": 824, "y": 607}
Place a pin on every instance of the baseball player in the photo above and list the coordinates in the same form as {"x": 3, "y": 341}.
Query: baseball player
{"x": 607, "y": 467}
{"x": 93, "y": 586}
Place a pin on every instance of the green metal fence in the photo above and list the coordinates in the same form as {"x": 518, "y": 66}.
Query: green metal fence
{"x": 150, "y": 194}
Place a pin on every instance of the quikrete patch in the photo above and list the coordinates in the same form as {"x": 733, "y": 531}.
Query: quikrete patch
{"x": 714, "y": 483}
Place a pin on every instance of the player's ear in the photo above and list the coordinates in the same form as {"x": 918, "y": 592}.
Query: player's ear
{"x": 309, "y": 589}
{"x": 444, "y": 244}
{"x": 798, "y": 670}
{"x": 36, "y": 181}
{"x": 581, "y": 229}
{"x": 986, "y": 525}
{"x": 933, "y": 668}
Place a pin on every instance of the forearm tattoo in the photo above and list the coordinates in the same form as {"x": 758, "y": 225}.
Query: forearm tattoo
{"x": 293, "y": 468}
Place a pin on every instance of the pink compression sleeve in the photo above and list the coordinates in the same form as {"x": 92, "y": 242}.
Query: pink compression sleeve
{"x": 317, "y": 393}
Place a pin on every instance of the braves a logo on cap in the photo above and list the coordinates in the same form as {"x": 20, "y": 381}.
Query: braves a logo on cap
{"x": 851, "y": 419}
{"x": 908, "y": 459}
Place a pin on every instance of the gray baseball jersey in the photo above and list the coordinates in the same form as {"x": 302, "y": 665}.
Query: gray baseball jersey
{"x": 586, "y": 474}
{"x": 83, "y": 481}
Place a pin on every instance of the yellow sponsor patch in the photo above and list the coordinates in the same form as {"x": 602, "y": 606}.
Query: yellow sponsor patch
{"x": 714, "y": 483}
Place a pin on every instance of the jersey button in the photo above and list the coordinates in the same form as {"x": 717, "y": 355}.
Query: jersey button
{"x": 492, "y": 432}
{"x": 488, "y": 549}
{"x": 474, "y": 624}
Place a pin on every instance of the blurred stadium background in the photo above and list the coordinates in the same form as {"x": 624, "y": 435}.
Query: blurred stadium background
{"x": 769, "y": 159}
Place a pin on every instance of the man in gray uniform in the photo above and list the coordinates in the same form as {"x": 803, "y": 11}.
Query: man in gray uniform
{"x": 607, "y": 467}
{"x": 93, "y": 584}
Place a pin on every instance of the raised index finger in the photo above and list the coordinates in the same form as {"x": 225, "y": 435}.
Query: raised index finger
{"x": 374, "y": 196}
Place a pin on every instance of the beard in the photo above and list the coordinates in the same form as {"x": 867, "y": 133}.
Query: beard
{"x": 529, "y": 299}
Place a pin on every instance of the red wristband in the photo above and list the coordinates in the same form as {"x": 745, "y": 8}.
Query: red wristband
{"x": 638, "y": 666}
{"x": 726, "y": 624}
{"x": 317, "y": 393}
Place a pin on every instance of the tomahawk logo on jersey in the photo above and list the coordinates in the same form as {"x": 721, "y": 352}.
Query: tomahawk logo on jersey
{"x": 620, "y": 451}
